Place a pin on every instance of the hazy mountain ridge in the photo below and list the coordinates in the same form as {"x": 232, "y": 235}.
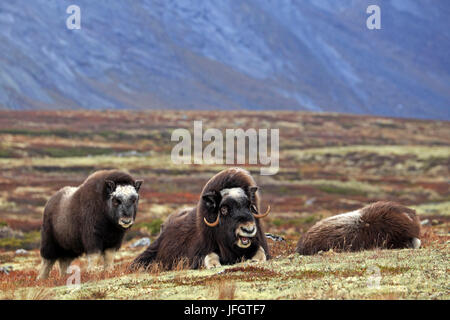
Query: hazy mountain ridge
{"x": 305, "y": 55}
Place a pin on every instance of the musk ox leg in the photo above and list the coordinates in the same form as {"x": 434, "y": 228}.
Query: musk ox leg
{"x": 93, "y": 259}
{"x": 415, "y": 243}
{"x": 108, "y": 259}
{"x": 64, "y": 264}
{"x": 260, "y": 255}
{"x": 46, "y": 267}
{"x": 212, "y": 260}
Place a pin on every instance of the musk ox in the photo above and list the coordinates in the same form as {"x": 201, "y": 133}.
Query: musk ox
{"x": 222, "y": 229}
{"x": 91, "y": 219}
{"x": 382, "y": 224}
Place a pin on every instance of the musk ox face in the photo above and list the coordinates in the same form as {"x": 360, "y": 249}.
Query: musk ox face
{"x": 236, "y": 212}
{"x": 122, "y": 203}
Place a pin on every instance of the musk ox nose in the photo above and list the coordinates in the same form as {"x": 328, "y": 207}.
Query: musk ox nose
{"x": 248, "y": 230}
{"x": 127, "y": 214}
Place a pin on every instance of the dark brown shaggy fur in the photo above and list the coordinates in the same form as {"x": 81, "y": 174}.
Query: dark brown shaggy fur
{"x": 185, "y": 235}
{"x": 381, "y": 225}
{"x": 80, "y": 223}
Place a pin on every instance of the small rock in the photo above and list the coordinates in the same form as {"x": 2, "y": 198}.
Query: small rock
{"x": 310, "y": 201}
{"x": 21, "y": 251}
{"x": 141, "y": 242}
{"x": 274, "y": 237}
{"x": 435, "y": 222}
{"x": 6, "y": 269}
{"x": 7, "y": 232}
{"x": 425, "y": 222}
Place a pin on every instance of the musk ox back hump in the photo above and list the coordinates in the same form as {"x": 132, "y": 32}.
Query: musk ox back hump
{"x": 380, "y": 225}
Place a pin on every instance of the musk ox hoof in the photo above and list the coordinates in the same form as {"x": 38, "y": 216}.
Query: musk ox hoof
{"x": 41, "y": 277}
{"x": 94, "y": 260}
{"x": 260, "y": 255}
{"x": 415, "y": 243}
{"x": 46, "y": 266}
{"x": 212, "y": 260}
{"x": 94, "y": 269}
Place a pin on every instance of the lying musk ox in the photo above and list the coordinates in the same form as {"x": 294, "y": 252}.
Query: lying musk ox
{"x": 382, "y": 224}
{"x": 91, "y": 219}
{"x": 222, "y": 229}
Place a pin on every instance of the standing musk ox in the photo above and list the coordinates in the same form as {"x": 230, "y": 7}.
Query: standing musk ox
{"x": 222, "y": 229}
{"x": 385, "y": 225}
{"x": 91, "y": 219}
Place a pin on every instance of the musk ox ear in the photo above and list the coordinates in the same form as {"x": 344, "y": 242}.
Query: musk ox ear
{"x": 137, "y": 184}
{"x": 110, "y": 186}
{"x": 212, "y": 200}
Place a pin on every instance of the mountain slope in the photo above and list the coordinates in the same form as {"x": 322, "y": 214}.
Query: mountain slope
{"x": 301, "y": 55}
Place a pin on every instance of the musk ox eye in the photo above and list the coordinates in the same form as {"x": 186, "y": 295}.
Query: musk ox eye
{"x": 116, "y": 202}
{"x": 224, "y": 210}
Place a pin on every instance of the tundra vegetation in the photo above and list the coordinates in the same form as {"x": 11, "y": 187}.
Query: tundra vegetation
{"x": 329, "y": 164}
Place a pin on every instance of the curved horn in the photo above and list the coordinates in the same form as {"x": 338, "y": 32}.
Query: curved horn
{"x": 259, "y": 216}
{"x": 215, "y": 223}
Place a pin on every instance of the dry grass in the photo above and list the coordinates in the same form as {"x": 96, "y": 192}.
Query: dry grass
{"x": 39, "y": 293}
{"x": 99, "y": 294}
{"x": 405, "y": 274}
{"x": 226, "y": 290}
{"x": 359, "y": 160}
